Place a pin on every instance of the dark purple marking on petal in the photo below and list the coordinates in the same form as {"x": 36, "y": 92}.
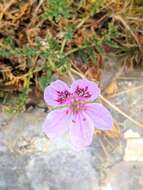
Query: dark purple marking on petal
{"x": 62, "y": 96}
{"x": 82, "y": 92}
{"x": 84, "y": 119}
{"x": 67, "y": 112}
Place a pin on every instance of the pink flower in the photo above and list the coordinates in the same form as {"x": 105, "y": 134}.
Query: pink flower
{"x": 76, "y": 114}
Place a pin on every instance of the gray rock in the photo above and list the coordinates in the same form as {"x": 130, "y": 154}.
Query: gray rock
{"x": 106, "y": 152}
{"x": 127, "y": 175}
{"x": 62, "y": 170}
{"x": 12, "y": 175}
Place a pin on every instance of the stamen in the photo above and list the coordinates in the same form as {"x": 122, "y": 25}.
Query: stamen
{"x": 62, "y": 96}
{"x": 77, "y": 106}
{"x": 83, "y": 92}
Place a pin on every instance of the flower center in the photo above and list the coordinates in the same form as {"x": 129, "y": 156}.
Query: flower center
{"x": 77, "y": 106}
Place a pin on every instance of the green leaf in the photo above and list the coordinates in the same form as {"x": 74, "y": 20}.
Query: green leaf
{"x": 5, "y": 53}
{"x": 9, "y": 41}
{"x": 53, "y": 44}
{"x": 69, "y": 33}
{"x": 45, "y": 80}
{"x": 57, "y": 9}
{"x": 92, "y": 55}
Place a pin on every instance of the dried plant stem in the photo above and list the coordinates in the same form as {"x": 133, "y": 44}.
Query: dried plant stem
{"x": 108, "y": 141}
{"x": 71, "y": 76}
{"x": 104, "y": 149}
{"x": 119, "y": 18}
{"x": 82, "y": 22}
{"x": 77, "y": 73}
{"x": 34, "y": 15}
{"x": 5, "y": 7}
{"x": 121, "y": 112}
{"x": 127, "y": 91}
{"x": 129, "y": 78}
{"x": 63, "y": 45}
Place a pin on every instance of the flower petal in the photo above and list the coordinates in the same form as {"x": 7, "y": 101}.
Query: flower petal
{"x": 57, "y": 93}
{"x": 81, "y": 131}
{"x": 56, "y": 123}
{"x": 100, "y": 115}
{"x": 85, "y": 90}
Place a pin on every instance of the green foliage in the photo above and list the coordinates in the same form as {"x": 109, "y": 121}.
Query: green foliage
{"x": 92, "y": 55}
{"x": 95, "y": 44}
{"x": 57, "y": 9}
{"x": 45, "y": 79}
{"x": 87, "y": 54}
{"x": 61, "y": 61}
{"x": 112, "y": 32}
{"x": 83, "y": 56}
{"x": 4, "y": 53}
{"x": 55, "y": 41}
{"x": 26, "y": 51}
{"x": 23, "y": 96}
{"x": 9, "y": 41}
{"x": 98, "y": 43}
{"x": 97, "y": 5}
{"x": 69, "y": 33}
{"x": 110, "y": 35}
{"x": 53, "y": 44}
{"x": 20, "y": 102}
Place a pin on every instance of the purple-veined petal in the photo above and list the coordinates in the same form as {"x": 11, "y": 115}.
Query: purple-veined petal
{"x": 56, "y": 123}
{"x": 81, "y": 131}
{"x": 84, "y": 89}
{"x": 57, "y": 93}
{"x": 101, "y": 117}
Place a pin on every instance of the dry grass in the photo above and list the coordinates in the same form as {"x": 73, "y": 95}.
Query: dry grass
{"x": 40, "y": 42}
